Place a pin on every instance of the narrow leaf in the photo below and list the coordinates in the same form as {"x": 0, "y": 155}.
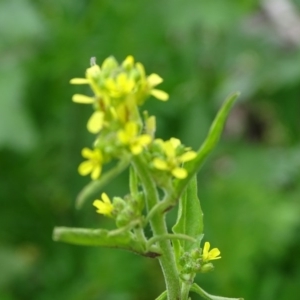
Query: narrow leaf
{"x": 197, "y": 289}
{"x": 94, "y": 187}
{"x": 189, "y": 220}
{"x": 208, "y": 145}
{"x": 100, "y": 237}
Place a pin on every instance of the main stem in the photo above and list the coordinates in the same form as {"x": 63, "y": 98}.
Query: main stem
{"x": 158, "y": 226}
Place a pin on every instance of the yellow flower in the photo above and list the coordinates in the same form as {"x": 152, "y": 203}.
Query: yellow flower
{"x": 172, "y": 161}
{"x": 121, "y": 86}
{"x": 210, "y": 255}
{"x": 148, "y": 84}
{"x": 104, "y": 206}
{"x": 129, "y": 136}
{"x": 91, "y": 76}
{"x": 93, "y": 164}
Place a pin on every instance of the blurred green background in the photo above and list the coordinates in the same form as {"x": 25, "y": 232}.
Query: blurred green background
{"x": 249, "y": 188}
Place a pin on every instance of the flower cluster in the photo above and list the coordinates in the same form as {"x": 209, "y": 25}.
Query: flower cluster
{"x": 118, "y": 91}
{"x": 172, "y": 155}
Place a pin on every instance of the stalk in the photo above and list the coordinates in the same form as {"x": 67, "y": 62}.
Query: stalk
{"x": 158, "y": 226}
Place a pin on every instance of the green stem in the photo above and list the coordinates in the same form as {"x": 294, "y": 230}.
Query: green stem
{"x": 170, "y": 236}
{"x": 185, "y": 290}
{"x": 186, "y": 286}
{"x": 158, "y": 226}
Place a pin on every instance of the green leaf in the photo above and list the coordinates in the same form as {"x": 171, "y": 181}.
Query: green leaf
{"x": 162, "y": 296}
{"x": 93, "y": 188}
{"x": 208, "y": 145}
{"x": 197, "y": 289}
{"x": 189, "y": 219}
{"x": 101, "y": 237}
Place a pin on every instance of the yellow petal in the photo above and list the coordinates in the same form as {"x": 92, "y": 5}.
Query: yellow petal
{"x": 175, "y": 142}
{"x": 95, "y": 122}
{"x": 136, "y": 149}
{"x": 154, "y": 79}
{"x": 85, "y": 168}
{"x": 131, "y": 129}
{"x": 99, "y": 204}
{"x": 128, "y": 62}
{"x": 122, "y": 136}
{"x": 160, "y": 95}
{"x": 160, "y": 164}
{"x": 206, "y": 249}
{"x": 187, "y": 156}
{"x": 79, "y": 81}
{"x": 169, "y": 149}
{"x": 96, "y": 172}
{"x": 144, "y": 139}
{"x": 179, "y": 173}
{"x": 105, "y": 198}
{"x": 87, "y": 153}
{"x": 103, "y": 208}
{"x": 214, "y": 254}
{"x": 77, "y": 98}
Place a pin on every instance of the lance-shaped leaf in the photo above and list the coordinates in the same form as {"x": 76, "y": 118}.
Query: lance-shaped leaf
{"x": 208, "y": 145}
{"x": 189, "y": 219}
{"x": 94, "y": 187}
{"x": 197, "y": 289}
{"x": 102, "y": 238}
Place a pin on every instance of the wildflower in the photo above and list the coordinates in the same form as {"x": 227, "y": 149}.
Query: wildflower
{"x": 210, "y": 255}
{"x": 93, "y": 164}
{"x": 148, "y": 84}
{"x": 129, "y": 136}
{"x": 104, "y": 206}
{"x": 172, "y": 161}
{"x": 91, "y": 77}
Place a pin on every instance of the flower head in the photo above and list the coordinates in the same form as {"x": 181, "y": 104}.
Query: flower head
{"x": 104, "y": 206}
{"x": 129, "y": 136}
{"x": 93, "y": 164}
{"x": 172, "y": 160}
{"x": 210, "y": 255}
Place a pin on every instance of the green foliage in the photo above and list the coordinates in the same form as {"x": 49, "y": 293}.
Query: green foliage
{"x": 250, "y": 187}
{"x": 189, "y": 220}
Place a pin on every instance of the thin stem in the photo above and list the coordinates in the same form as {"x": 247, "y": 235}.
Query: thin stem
{"x": 185, "y": 290}
{"x": 158, "y": 226}
{"x": 170, "y": 236}
{"x": 186, "y": 286}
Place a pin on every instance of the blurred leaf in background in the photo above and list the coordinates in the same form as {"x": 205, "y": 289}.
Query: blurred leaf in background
{"x": 249, "y": 189}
